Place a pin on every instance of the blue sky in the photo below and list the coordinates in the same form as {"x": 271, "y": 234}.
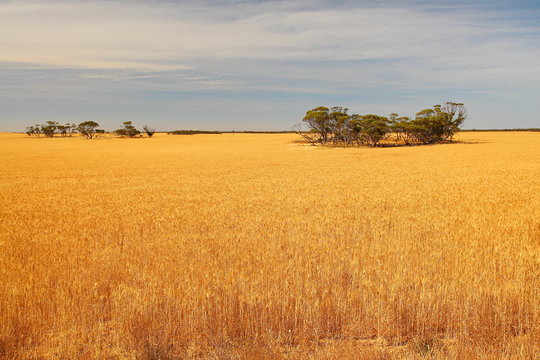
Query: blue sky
{"x": 259, "y": 65}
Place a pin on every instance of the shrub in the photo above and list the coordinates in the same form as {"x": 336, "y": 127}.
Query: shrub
{"x": 149, "y": 131}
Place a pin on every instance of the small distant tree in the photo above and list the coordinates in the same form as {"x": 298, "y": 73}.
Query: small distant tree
{"x": 37, "y": 130}
{"x": 149, "y": 131}
{"x": 71, "y": 129}
{"x": 62, "y": 129}
{"x": 33, "y": 130}
{"x": 128, "y": 130}
{"x": 88, "y": 129}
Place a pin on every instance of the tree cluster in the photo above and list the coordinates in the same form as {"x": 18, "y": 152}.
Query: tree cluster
{"x": 129, "y": 130}
{"x": 88, "y": 129}
{"x": 336, "y": 126}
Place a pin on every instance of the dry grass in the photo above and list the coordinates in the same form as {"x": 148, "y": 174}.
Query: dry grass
{"x": 256, "y": 247}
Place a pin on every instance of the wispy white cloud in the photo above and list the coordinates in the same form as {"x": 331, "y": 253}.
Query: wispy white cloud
{"x": 301, "y": 47}
{"x": 94, "y": 34}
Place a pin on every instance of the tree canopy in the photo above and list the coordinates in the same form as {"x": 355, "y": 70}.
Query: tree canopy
{"x": 52, "y": 128}
{"x": 335, "y": 126}
{"x": 127, "y": 130}
{"x": 88, "y": 129}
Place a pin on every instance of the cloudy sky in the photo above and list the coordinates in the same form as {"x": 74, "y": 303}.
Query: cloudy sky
{"x": 259, "y": 65}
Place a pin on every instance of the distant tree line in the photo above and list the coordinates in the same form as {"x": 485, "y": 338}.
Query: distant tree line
{"x": 335, "y": 126}
{"x": 261, "y": 132}
{"x": 192, "y": 132}
{"x": 516, "y": 129}
{"x": 88, "y": 129}
{"x": 195, "y": 132}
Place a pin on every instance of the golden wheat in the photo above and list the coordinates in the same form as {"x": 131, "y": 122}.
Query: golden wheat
{"x": 257, "y": 247}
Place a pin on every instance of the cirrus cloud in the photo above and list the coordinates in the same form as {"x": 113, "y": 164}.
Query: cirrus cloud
{"x": 364, "y": 53}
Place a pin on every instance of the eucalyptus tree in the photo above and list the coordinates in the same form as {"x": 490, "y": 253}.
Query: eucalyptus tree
{"x": 33, "y": 130}
{"x": 338, "y": 120}
{"x": 354, "y": 129}
{"x": 62, "y": 129}
{"x": 327, "y": 125}
{"x": 88, "y": 129}
{"x": 454, "y": 115}
{"x": 401, "y": 129}
{"x": 50, "y": 128}
{"x": 318, "y": 121}
{"x": 438, "y": 124}
{"x": 71, "y": 129}
{"x": 374, "y": 129}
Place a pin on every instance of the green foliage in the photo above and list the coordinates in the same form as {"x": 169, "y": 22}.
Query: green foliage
{"x": 50, "y": 128}
{"x": 336, "y": 126}
{"x": 128, "y": 130}
{"x": 318, "y": 120}
{"x": 67, "y": 129}
{"x": 62, "y": 129}
{"x": 88, "y": 129}
{"x": 401, "y": 129}
{"x": 374, "y": 129}
{"x": 338, "y": 123}
{"x": 33, "y": 130}
{"x": 436, "y": 125}
{"x": 71, "y": 129}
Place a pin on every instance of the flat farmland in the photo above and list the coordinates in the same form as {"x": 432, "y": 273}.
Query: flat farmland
{"x": 255, "y": 246}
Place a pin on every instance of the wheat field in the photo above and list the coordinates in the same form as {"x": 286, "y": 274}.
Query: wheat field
{"x": 250, "y": 246}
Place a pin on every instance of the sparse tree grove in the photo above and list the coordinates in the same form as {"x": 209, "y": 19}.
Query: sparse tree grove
{"x": 87, "y": 129}
{"x": 334, "y": 126}
{"x": 326, "y": 126}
